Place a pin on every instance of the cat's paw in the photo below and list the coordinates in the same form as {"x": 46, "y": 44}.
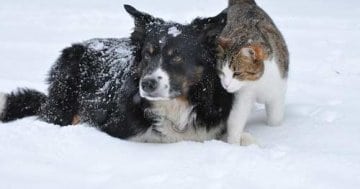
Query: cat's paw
{"x": 234, "y": 140}
{"x": 245, "y": 139}
{"x": 275, "y": 122}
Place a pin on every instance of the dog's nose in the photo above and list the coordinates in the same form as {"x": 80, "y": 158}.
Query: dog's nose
{"x": 149, "y": 85}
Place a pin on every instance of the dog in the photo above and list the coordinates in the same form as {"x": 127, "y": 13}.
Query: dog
{"x": 159, "y": 86}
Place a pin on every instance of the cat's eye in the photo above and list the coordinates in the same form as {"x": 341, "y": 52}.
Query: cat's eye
{"x": 236, "y": 74}
{"x": 252, "y": 73}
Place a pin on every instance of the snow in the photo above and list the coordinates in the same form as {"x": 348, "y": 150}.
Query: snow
{"x": 98, "y": 46}
{"x": 174, "y": 31}
{"x": 317, "y": 147}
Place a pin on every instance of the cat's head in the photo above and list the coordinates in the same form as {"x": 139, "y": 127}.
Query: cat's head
{"x": 239, "y": 64}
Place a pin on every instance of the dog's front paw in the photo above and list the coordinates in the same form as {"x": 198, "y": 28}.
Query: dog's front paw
{"x": 76, "y": 120}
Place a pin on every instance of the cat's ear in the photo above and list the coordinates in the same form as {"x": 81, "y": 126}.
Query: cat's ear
{"x": 255, "y": 51}
{"x": 224, "y": 42}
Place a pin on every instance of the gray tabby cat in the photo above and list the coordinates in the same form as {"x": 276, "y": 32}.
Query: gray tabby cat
{"x": 253, "y": 64}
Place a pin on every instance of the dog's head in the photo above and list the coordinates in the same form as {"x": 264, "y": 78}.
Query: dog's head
{"x": 173, "y": 57}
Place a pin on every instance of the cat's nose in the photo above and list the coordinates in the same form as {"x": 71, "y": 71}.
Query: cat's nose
{"x": 225, "y": 84}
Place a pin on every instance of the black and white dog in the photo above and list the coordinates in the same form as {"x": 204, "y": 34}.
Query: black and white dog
{"x": 160, "y": 85}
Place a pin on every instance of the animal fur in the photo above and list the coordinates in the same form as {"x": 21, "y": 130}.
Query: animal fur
{"x": 98, "y": 82}
{"x": 253, "y": 64}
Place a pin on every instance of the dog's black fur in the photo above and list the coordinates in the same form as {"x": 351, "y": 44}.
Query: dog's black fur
{"x": 99, "y": 80}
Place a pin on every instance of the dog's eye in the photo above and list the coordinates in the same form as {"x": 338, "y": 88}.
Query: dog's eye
{"x": 170, "y": 52}
{"x": 177, "y": 59}
{"x": 147, "y": 55}
{"x": 149, "y": 52}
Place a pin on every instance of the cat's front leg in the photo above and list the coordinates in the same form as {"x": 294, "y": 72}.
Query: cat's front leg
{"x": 238, "y": 117}
{"x": 275, "y": 111}
{"x": 247, "y": 139}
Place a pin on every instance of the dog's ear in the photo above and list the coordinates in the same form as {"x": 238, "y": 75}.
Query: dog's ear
{"x": 210, "y": 28}
{"x": 142, "y": 21}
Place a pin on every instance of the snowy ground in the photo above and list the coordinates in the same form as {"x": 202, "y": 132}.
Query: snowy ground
{"x": 318, "y": 146}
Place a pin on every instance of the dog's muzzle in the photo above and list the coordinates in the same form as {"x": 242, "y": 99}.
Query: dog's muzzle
{"x": 149, "y": 85}
{"x": 155, "y": 86}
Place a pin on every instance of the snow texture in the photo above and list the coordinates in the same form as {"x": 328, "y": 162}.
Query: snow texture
{"x": 107, "y": 64}
{"x": 113, "y": 63}
{"x": 317, "y": 147}
{"x": 174, "y": 31}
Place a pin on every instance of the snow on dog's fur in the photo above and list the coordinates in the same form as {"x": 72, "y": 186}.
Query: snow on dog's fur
{"x": 158, "y": 86}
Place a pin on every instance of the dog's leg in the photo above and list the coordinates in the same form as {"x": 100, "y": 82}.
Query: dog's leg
{"x": 62, "y": 104}
{"x": 76, "y": 120}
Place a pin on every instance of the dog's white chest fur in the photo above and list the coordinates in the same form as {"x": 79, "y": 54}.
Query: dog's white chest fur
{"x": 175, "y": 122}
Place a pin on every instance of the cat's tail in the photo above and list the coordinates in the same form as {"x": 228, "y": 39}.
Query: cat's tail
{"x": 19, "y": 104}
{"x": 234, "y": 2}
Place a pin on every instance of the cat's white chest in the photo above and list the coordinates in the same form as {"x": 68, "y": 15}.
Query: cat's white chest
{"x": 270, "y": 85}
{"x": 269, "y": 90}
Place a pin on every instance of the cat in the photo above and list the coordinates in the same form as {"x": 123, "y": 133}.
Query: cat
{"x": 253, "y": 63}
